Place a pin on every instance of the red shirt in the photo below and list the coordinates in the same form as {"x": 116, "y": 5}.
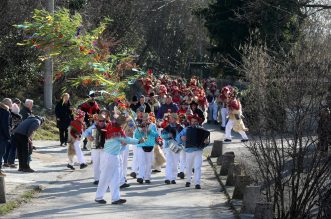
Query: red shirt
{"x": 114, "y": 131}
{"x": 90, "y": 109}
{"x": 76, "y": 129}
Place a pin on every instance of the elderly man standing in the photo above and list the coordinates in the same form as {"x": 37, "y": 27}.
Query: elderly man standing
{"x": 26, "y": 110}
{"x": 5, "y": 124}
{"x": 22, "y": 138}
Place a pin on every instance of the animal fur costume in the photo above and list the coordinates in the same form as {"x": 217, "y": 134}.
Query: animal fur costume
{"x": 76, "y": 129}
{"x": 235, "y": 114}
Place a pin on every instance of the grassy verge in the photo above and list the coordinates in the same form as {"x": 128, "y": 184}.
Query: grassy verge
{"x": 48, "y": 131}
{"x": 24, "y": 198}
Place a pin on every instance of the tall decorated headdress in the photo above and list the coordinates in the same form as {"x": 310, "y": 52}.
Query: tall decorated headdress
{"x": 78, "y": 114}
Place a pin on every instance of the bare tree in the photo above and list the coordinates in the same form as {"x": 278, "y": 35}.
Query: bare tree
{"x": 282, "y": 104}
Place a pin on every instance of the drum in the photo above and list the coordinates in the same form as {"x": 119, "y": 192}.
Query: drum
{"x": 196, "y": 136}
{"x": 174, "y": 146}
{"x": 95, "y": 139}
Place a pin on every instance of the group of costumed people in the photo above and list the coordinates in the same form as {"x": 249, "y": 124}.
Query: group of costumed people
{"x": 163, "y": 125}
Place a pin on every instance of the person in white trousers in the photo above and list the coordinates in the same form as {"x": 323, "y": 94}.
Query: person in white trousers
{"x": 223, "y": 99}
{"x": 235, "y": 121}
{"x": 111, "y": 164}
{"x": 224, "y": 115}
{"x": 169, "y": 133}
{"x": 134, "y": 163}
{"x": 124, "y": 167}
{"x": 193, "y": 154}
{"x": 212, "y": 110}
{"x": 182, "y": 164}
{"x": 147, "y": 131}
{"x": 96, "y": 135}
{"x": 76, "y": 129}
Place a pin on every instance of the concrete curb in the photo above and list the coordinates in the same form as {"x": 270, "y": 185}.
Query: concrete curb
{"x": 236, "y": 212}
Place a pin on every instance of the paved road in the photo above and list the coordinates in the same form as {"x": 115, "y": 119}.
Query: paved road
{"x": 71, "y": 194}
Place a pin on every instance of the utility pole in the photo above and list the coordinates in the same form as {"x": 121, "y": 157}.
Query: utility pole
{"x": 48, "y": 69}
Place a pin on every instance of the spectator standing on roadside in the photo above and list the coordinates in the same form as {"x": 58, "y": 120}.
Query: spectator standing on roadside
{"x": 22, "y": 138}
{"x": 26, "y": 110}
{"x": 63, "y": 117}
{"x": 16, "y": 119}
{"x": 5, "y": 120}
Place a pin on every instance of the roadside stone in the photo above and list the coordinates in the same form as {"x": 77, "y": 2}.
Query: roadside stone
{"x": 227, "y": 159}
{"x": 252, "y": 195}
{"x": 263, "y": 210}
{"x": 217, "y": 149}
{"x": 2, "y": 190}
{"x": 233, "y": 172}
{"x": 241, "y": 183}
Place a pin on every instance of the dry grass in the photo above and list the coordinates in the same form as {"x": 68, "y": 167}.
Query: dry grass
{"x": 48, "y": 131}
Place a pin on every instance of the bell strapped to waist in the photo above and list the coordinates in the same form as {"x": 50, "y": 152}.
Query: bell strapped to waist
{"x": 174, "y": 146}
{"x": 99, "y": 137}
{"x": 196, "y": 136}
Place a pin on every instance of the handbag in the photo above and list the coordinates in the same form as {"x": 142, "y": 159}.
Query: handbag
{"x": 147, "y": 148}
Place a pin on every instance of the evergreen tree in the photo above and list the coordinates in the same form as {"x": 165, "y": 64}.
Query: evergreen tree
{"x": 231, "y": 22}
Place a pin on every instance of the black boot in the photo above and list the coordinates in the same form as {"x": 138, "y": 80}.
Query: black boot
{"x": 83, "y": 165}
{"x": 181, "y": 175}
{"x": 140, "y": 180}
{"x": 71, "y": 167}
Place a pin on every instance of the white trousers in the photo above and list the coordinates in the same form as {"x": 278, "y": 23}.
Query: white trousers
{"x": 134, "y": 164}
{"x": 110, "y": 177}
{"x": 96, "y": 158}
{"x": 79, "y": 153}
{"x": 228, "y": 129}
{"x": 212, "y": 111}
{"x": 145, "y": 160}
{"x": 172, "y": 163}
{"x": 124, "y": 164}
{"x": 194, "y": 160}
{"x": 224, "y": 114}
{"x": 182, "y": 161}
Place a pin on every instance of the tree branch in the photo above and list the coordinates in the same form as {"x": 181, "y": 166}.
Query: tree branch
{"x": 317, "y": 6}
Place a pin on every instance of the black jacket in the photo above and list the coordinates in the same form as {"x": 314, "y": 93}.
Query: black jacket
{"x": 25, "y": 112}
{"x": 200, "y": 114}
{"x": 146, "y": 106}
{"x": 63, "y": 114}
{"x": 5, "y": 122}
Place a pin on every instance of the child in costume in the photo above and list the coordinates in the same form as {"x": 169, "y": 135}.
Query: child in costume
{"x": 76, "y": 129}
{"x": 235, "y": 121}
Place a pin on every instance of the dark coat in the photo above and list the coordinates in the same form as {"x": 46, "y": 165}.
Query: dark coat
{"x": 63, "y": 114}
{"x": 165, "y": 108}
{"x": 200, "y": 114}
{"x": 5, "y": 122}
{"x": 25, "y": 112}
{"x": 28, "y": 126}
{"x": 16, "y": 120}
{"x": 146, "y": 106}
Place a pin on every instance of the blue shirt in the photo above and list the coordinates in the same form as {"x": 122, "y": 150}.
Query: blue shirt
{"x": 166, "y": 135}
{"x": 150, "y": 142}
{"x": 114, "y": 145}
{"x": 88, "y": 132}
{"x": 179, "y": 140}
